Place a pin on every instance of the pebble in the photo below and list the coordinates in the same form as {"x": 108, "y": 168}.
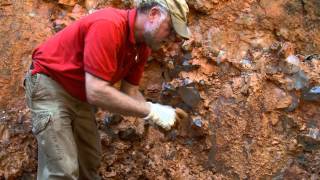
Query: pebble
{"x": 312, "y": 94}
{"x": 189, "y": 95}
{"x": 300, "y": 80}
{"x": 197, "y": 122}
{"x": 220, "y": 56}
{"x": 292, "y": 59}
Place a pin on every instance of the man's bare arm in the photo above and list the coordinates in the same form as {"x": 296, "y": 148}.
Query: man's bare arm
{"x": 102, "y": 94}
{"x": 131, "y": 90}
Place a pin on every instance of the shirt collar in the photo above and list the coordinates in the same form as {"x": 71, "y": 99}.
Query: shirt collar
{"x": 132, "y": 18}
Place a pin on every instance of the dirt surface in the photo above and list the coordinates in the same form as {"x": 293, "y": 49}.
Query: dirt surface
{"x": 249, "y": 78}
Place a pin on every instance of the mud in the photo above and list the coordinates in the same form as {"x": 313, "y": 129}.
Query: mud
{"x": 249, "y": 78}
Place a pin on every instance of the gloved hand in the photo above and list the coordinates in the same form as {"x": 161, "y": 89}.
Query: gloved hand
{"x": 164, "y": 116}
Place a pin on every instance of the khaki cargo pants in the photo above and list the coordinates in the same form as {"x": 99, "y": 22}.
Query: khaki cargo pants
{"x": 66, "y": 131}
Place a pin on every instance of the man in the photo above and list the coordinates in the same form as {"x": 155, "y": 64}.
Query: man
{"x": 73, "y": 72}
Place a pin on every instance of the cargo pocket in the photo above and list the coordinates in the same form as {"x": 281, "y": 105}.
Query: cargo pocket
{"x": 31, "y": 83}
{"x": 40, "y": 120}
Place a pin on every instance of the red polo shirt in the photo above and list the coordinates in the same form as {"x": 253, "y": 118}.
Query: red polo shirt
{"x": 102, "y": 44}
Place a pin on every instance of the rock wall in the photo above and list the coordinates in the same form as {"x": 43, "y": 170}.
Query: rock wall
{"x": 249, "y": 78}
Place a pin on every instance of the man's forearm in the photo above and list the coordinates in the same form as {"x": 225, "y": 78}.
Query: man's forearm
{"x": 137, "y": 96}
{"x": 102, "y": 94}
{"x": 132, "y": 91}
{"x": 117, "y": 102}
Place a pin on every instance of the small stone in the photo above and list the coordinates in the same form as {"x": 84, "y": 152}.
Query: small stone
{"x": 274, "y": 120}
{"x": 172, "y": 135}
{"x": 300, "y": 80}
{"x": 4, "y": 133}
{"x": 167, "y": 87}
{"x": 186, "y": 81}
{"x": 314, "y": 133}
{"x": 312, "y": 94}
{"x": 197, "y": 122}
{"x": 189, "y": 142}
{"x": 276, "y": 46}
{"x": 129, "y": 134}
{"x": 112, "y": 119}
{"x": 271, "y": 69}
{"x": 284, "y": 32}
{"x": 290, "y": 67}
{"x": 246, "y": 63}
{"x": 187, "y": 45}
{"x": 202, "y": 82}
{"x": 32, "y": 14}
{"x": 315, "y": 90}
{"x": 294, "y": 104}
{"x": 170, "y": 65}
{"x": 309, "y": 143}
{"x": 91, "y": 4}
{"x": 187, "y": 57}
{"x": 187, "y": 66}
{"x": 189, "y": 95}
{"x": 312, "y": 57}
{"x": 287, "y": 49}
{"x": 275, "y": 142}
{"x": 68, "y": 2}
{"x": 303, "y": 127}
{"x": 221, "y": 57}
{"x": 185, "y": 63}
{"x": 292, "y": 59}
{"x": 311, "y": 140}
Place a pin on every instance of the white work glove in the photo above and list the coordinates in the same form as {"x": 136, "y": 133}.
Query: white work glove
{"x": 164, "y": 116}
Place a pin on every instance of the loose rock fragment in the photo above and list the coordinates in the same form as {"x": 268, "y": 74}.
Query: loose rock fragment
{"x": 187, "y": 45}
{"x": 188, "y": 66}
{"x": 292, "y": 59}
{"x": 189, "y": 95}
{"x": 312, "y": 56}
{"x": 312, "y": 94}
{"x": 246, "y": 63}
{"x": 309, "y": 142}
{"x": 186, "y": 81}
{"x": 167, "y": 86}
{"x": 197, "y": 122}
{"x": 68, "y": 2}
{"x": 301, "y": 80}
{"x": 292, "y": 65}
{"x": 112, "y": 119}
{"x": 294, "y": 103}
{"x": 4, "y": 133}
{"x": 221, "y": 57}
{"x": 187, "y": 57}
{"x": 129, "y": 134}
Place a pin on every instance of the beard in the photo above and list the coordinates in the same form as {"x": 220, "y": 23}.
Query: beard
{"x": 149, "y": 35}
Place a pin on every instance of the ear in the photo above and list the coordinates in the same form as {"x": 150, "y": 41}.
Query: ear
{"x": 154, "y": 14}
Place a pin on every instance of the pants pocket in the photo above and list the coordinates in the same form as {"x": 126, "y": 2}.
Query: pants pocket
{"x": 31, "y": 83}
{"x": 40, "y": 121}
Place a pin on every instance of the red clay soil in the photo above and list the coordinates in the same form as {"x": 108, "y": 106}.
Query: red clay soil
{"x": 249, "y": 79}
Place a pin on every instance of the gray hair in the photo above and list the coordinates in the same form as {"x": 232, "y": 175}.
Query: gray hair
{"x": 144, "y": 6}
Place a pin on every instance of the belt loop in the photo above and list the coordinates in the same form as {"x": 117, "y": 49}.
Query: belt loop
{"x": 31, "y": 66}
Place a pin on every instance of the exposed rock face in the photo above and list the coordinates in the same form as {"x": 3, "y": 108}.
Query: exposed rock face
{"x": 249, "y": 78}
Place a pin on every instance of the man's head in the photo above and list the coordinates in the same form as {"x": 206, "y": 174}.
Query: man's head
{"x": 164, "y": 19}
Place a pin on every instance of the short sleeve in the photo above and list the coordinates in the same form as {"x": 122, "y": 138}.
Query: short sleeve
{"x": 101, "y": 48}
{"x": 136, "y": 71}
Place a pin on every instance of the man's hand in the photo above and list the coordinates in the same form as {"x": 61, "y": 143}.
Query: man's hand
{"x": 165, "y": 116}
